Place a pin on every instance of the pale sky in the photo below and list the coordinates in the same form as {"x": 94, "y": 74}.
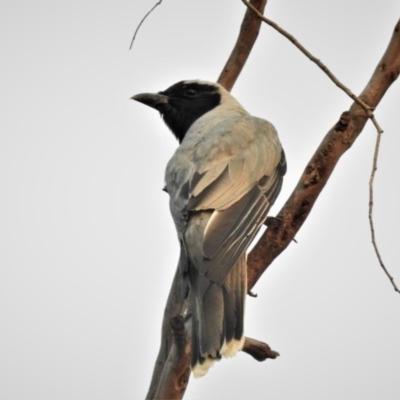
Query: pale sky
{"x": 88, "y": 248}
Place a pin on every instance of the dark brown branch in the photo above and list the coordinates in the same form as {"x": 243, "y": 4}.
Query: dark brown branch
{"x": 282, "y": 229}
{"x": 365, "y": 106}
{"x": 260, "y": 351}
{"x": 175, "y": 374}
{"x": 167, "y": 358}
{"x": 244, "y": 43}
{"x": 338, "y": 140}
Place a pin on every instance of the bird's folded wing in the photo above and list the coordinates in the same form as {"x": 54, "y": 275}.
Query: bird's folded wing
{"x": 240, "y": 189}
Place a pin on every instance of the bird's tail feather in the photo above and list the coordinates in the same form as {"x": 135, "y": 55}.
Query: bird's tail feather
{"x": 217, "y": 313}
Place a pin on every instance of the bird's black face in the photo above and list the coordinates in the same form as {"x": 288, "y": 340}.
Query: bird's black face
{"x": 182, "y": 104}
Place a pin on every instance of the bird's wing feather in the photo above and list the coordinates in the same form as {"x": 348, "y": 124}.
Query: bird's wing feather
{"x": 238, "y": 179}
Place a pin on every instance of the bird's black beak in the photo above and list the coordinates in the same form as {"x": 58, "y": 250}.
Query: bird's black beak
{"x": 154, "y": 100}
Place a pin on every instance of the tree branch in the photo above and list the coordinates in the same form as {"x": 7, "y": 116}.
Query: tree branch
{"x": 370, "y": 211}
{"x": 243, "y": 46}
{"x": 167, "y": 362}
{"x": 260, "y": 351}
{"x": 171, "y": 370}
{"x": 311, "y": 57}
{"x": 175, "y": 375}
{"x": 168, "y": 356}
{"x": 141, "y": 22}
{"x": 365, "y": 106}
{"x": 338, "y": 140}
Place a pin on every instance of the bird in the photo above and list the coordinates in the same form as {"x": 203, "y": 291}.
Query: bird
{"x": 222, "y": 180}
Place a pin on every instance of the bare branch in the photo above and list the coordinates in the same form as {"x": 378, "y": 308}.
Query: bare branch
{"x": 367, "y": 109}
{"x": 171, "y": 357}
{"x": 141, "y": 22}
{"x": 167, "y": 360}
{"x": 314, "y": 59}
{"x": 365, "y": 106}
{"x": 244, "y": 43}
{"x": 175, "y": 376}
{"x": 371, "y": 205}
{"x": 338, "y": 140}
{"x": 260, "y": 351}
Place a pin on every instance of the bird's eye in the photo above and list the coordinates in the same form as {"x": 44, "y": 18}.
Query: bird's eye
{"x": 190, "y": 92}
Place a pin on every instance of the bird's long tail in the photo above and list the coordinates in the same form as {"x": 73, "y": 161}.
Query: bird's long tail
{"x": 217, "y": 317}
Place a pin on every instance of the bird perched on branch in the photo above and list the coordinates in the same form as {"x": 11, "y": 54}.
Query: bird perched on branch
{"x": 222, "y": 180}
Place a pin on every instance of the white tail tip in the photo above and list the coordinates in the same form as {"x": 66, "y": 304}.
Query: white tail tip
{"x": 230, "y": 349}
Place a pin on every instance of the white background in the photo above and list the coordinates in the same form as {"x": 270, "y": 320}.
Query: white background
{"x": 87, "y": 246}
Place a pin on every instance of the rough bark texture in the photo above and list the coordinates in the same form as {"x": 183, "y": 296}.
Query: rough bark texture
{"x": 260, "y": 351}
{"x": 244, "y": 43}
{"x": 282, "y": 230}
{"x": 171, "y": 371}
{"x": 175, "y": 374}
{"x": 163, "y": 385}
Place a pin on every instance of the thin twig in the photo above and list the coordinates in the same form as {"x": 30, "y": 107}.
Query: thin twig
{"x": 141, "y": 22}
{"x": 366, "y": 107}
{"x": 371, "y": 205}
{"x": 314, "y": 59}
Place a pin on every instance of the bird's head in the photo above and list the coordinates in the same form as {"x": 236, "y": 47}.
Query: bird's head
{"x": 183, "y": 103}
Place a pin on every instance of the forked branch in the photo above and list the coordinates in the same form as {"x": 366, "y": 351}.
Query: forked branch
{"x": 338, "y": 140}
{"x": 168, "y": 362}
{"x": 171, "y": 369}
{"x": 367, "y": 108}
{"x": 314, "y": 59}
